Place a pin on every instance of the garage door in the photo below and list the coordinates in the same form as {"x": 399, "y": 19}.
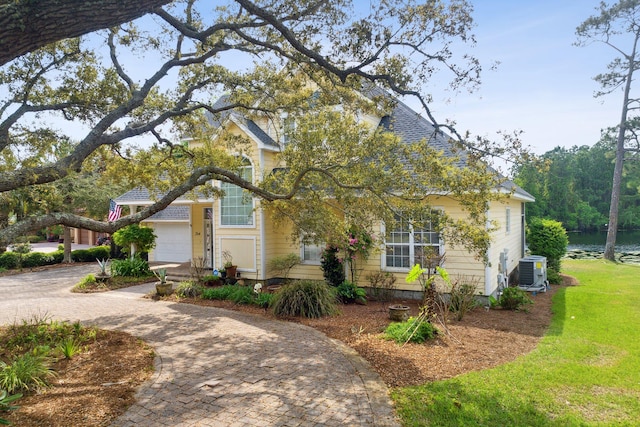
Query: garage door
{"x": 173, "y": 242}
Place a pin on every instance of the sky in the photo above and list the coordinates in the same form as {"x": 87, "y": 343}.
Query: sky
{"x": 543, "y": 85}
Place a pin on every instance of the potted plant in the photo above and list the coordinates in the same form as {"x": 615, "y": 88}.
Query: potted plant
{"x": 228, "y": 265}
{"x": 211, "y": 280}
{"x": 103, "y": 276}
{"x": 163, "y": 287}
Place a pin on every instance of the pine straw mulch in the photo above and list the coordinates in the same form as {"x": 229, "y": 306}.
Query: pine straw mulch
{"x": 90, "y": 389}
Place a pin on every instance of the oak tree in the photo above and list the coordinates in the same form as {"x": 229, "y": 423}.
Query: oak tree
{"x": 158, "y": 77}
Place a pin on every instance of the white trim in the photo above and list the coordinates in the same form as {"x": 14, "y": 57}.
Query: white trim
{"x": 383, "y": 255}
{"x": 253, "y": 201}
{"x": 263, "y": 232}
{"x": 308, "y": 262}
{"x": 487, "y": 267}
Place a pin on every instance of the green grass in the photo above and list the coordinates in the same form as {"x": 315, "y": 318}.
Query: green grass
{"x": 585, "y": 371}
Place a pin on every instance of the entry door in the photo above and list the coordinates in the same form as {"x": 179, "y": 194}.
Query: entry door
{"x": 208, "y": 237}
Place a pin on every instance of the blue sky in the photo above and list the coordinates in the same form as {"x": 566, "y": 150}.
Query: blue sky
{"x": 544, "y": 85}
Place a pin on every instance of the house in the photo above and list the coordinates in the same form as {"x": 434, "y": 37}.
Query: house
{"x": 205, "y": 228}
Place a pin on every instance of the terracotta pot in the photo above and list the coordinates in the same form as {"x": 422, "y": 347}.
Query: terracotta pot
{"x": 398, "y": 313}
{"x": 231, "y": 271}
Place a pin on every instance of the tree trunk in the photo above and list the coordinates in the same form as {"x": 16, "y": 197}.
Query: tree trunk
{"x": 612, "y": 230}
{"x": 29, "y": 25}
{"x": 67, "y": 245}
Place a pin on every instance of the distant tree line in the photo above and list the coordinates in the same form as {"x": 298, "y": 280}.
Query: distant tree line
{"x": 573, "y": 186}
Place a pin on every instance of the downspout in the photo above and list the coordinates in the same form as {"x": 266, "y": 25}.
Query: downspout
{"x": 487, "y": 267}
{"x": 262, "y": 228}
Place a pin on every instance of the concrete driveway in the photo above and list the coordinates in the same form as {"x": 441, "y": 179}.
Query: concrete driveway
{"x": 215, "y": 367}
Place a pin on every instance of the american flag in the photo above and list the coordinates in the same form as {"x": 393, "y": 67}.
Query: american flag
{"x": 115, "y": 211}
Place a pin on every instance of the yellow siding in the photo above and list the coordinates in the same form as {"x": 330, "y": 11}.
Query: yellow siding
{"x": 197, "y": 230}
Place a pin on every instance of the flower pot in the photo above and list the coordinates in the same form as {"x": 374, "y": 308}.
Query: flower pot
{"x": 102, "y": 278}
{"x": 231, "y": 271}
{"x": 164, "y": 289}
{"x": 398, "y": 313}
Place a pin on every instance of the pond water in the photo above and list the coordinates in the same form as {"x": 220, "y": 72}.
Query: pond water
{"x": 626, "y": 241}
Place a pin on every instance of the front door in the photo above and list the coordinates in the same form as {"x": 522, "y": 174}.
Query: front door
{"x": 208, "y": 237}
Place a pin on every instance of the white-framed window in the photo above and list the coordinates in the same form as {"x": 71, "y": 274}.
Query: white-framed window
{"x": 311, "y": 253}
{"x": 288, "y": 127}
{"x": 507, "y": 220}
{"x": 407, "y": 244}
{"x": 236, "y": 207}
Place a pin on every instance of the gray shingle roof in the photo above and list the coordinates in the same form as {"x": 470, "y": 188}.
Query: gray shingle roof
{"x": 171, "y": 213}
{"x": 138, "y": 195}
{"x": 217, "y": 121}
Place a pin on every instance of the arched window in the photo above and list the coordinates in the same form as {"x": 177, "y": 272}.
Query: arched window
{"x": 237, "y": 205}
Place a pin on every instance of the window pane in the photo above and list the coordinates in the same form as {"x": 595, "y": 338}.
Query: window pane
{"x": 236, "y": 208}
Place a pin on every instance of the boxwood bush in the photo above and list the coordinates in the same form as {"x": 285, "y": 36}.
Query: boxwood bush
{"x": 9, "y": 260}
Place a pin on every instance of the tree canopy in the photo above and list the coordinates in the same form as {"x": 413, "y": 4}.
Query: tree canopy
{"x": 158, "y": 77}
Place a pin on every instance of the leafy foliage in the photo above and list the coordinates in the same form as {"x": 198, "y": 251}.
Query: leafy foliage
{"x": 349, "y": 292}
{"x": 548, "y": 238}
{"x": 142, "y": 237}
{"x": 132, "y": 267}
{"x": 413, "y": 330}
{"x": 305, "y": 298}
{"x": 332, "y": 266}
{"x": 26, "y": 372}
{"x": 6, "y": 404}
{"x": 282, "y": 265}
{"x": 382, "y": 284}
{"x": 514, "y": 298}
{"x": 238, "y": 294}
{"x": 188, "y": 289}
{"x": 462, "y": 298}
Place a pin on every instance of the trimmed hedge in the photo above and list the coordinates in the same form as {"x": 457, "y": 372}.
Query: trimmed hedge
{"x": 9, "y": 260}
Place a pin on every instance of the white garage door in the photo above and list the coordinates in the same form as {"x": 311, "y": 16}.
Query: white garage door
{"x": 173, "y": 242}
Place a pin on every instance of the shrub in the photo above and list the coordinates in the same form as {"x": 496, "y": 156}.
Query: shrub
{"x": 305, "y": 298}
{"x": 89, "y": 279}
{"x": 264, "y": 300}
{"x": 332, "y": 268}
{"x": 37, "y": 259}
{"x": 142, "y": 237}
{"x": 382, "y": 285}
{"x": 548, "y": 238}
{"x": 514, "y": 298}
{"x": 132, "y": 267}
{"x": 221, "y": 293}
{"x": 57, "y": 256}
{"x": 9, "y": 260}
{"x": 242, "y": 295}
{"x": 349, "y": 292}
{"x": 282, "y": 265}
{"x": 26, "y": 372}
{"x": 413, "y": 330}
{"x": 91, "y": 254}
{"x": 188, "y": 289}
{"x": 463, "y": 299}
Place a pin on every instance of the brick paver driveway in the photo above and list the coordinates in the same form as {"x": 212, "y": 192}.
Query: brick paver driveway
{"x": 215, "y": 367}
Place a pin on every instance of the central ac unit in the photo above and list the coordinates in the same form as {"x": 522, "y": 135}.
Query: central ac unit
{"x": 533, "y": 273}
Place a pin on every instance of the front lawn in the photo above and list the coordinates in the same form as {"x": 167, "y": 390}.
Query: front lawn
{"x": 585, "y": 371}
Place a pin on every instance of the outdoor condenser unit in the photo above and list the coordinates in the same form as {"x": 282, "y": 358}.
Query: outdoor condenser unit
{"x": 533, "y": 273}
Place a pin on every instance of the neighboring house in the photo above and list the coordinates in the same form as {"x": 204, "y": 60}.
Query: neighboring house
{"x": 188, "y": 230}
